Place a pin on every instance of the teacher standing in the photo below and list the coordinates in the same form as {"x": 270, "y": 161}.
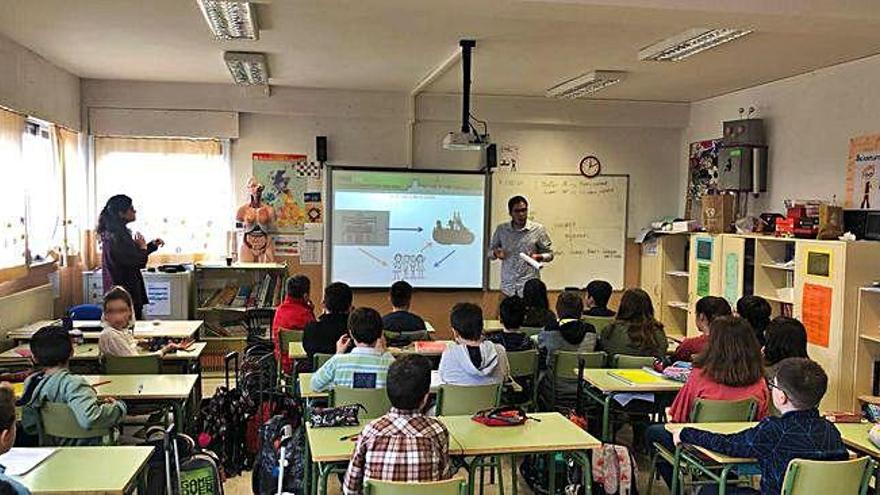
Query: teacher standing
{"x": 123, "y": 256}
{"x": 519, "y": 235}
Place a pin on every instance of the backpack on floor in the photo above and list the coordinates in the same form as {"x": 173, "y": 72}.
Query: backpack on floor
{"x": 614, "y": 471}
{"x": 178, "y": 463}
{"x": 200, "y": 475}
{"x": 267, "y": 466}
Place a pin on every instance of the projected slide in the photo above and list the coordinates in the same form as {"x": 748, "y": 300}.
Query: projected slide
{"x": 425, "y": 228}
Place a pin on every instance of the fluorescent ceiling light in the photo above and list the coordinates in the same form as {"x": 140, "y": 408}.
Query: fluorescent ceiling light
{"x": 585, "y": 84}
{"x": 230, "y": 19}
{"x": 688, "y": 43}
{"x": 247, "y": 68}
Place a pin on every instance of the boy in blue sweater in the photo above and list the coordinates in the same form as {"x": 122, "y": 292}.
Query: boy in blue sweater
{"x": 798, "y": 433}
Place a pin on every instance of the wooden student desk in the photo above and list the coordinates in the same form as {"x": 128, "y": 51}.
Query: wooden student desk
{"x": 89, "y": 470}
{"x": 855, "y": 436}
{"x": 296, "y": 350}
{"x": 727, "y": 463}
{"x": 305, "y": 385}
{"x": 89, "y": 355}
{"x": 171, "y": 390}
{"x": 551, "y": 433}
{"x": 173, "y": 329}
{"x": 603, "y": 386}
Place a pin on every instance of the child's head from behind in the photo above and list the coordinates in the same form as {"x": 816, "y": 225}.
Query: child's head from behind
{"x": 7, "y": 418}
{"x": 512, "y": 312}
{"x": 635, "y": 306}
{"x": 598, "y": 294}
{"x": 708, "y": 308}
{"x": 409, "y": 381}
{"x": 798, "y": 384}
{"x": 51, "y": 347}
{"x": 401, "y": 294}
{"x": 535, "y": 294}
{"x": 298, "y": 287}
{"x": 338, "y": 297}
{"x": 785, "y": 338}
{"x": 467, "y": 321}
{"x": 732, "y": 356}
{"x": 365, "y": 326}
{"x": 118, "y": 308}
{"x": 756, "y": 310}
{"x": 569, "y": 305}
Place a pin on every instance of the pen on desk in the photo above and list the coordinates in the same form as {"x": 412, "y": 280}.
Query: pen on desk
{"x": 349, "y": 437}
{"x": 105, "y": 382}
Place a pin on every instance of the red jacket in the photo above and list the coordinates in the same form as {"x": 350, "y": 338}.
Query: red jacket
{"x": 700, "y": 386}
{"x": 291, "y": 314}
{"x": 690, "y": 347}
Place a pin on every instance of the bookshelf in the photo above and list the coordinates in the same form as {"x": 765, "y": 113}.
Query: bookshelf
{"x": 665, "y": 277}
{"x": 774, "y": 272}
{"x": 867, "y": 371}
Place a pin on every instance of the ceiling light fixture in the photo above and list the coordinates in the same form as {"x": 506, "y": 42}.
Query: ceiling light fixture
{"x": 230, "y": 19}
{"x": 247, "y": 68}
{"x": 689, "y": 43}
{"x": 586, "y": 84}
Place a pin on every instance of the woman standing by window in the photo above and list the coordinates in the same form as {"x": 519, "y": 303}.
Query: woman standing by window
{"x": 124, "y": 256}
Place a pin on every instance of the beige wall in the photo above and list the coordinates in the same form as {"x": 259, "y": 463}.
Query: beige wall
{"x": 31, "y": 85}
{"x": 809, "y": 119}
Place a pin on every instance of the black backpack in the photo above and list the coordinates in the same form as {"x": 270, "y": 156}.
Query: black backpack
{"x": 264, "y": 479}
{"x": 178, "y": 463}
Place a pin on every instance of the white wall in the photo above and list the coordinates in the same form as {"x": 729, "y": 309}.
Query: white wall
{"x": 809, "y": 119}
{"x": 31, "y": 85}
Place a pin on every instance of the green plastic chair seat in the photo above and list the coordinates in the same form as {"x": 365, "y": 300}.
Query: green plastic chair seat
{"x": 146, "y": 364}
{"x": 374, "y": 400}
{"x": 454, "y": 486}
{"x": 804, "y": 477}
{"x": 458, "y": 400}
{"x": 524, "y": 365}
{"x": 631, "y": 362}
{"x": 723, "y": 411}
{"x": 319, "y": 359}
{"x": 57, "y": 420}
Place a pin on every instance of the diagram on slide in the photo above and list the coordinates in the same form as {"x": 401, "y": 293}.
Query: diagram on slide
{"x": 454, "y": 233}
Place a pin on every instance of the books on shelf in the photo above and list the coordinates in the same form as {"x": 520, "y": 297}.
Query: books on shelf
{"x": 266, "y": 291}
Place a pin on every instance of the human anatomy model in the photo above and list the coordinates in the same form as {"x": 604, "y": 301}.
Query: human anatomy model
{"x": 255, "y": 217}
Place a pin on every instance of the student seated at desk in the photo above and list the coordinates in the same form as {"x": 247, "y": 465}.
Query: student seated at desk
{"x": 7, "y": 439}
{"x": 366, "y": 366}
{"x": 293, "y": 314}
{"x": 538, "y": 314}
{"x": 472, "y": 360}
{"x": 52, "y": 349}
{"x": 117, "y": 339}
{"x": 598, "y": 295}
{"x": 321, "y": 336}
{"x": 570, "y": 333}
{"x": 756, "y": 310}
{"x": 799, "y": 433}
{"x": 512, "y": 311}
{"x": 401, "y": 320}
{"x": 635, "y": 331}
{"x": 707, "y": 309}
{"x": 786, "y": 338}
{"x": 405, "y": 444}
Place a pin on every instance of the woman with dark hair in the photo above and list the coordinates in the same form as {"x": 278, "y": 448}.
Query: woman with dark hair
{"x": 786, "y": 337}
{"x": 635, "y": 331}
{"x": 123, "y": 256}
{"x": 538, "y": 314}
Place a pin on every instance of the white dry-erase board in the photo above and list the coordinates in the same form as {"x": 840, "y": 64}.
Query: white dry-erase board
{"x": 586, "y": 220}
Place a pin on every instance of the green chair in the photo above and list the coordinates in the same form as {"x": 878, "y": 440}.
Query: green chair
{"x": 531, "y": 331}
{"x": 454, "y": 486}
{"x": 599, "y": 322}
{"x": 144, "y": 364}
{"x": 704, "y": 411}
{"x": 58, "y": 421}
{"x": 319, "y": 359}
{"x": 392, "y": 336}
{"x": 564, "y": 363}
{"x": 805, "y": 477}
{"x": 624, "y": 361}
{"x": 524, "y": 364}
{"x": 374, "y": 400}
{"x": 285, "y": 338}
{"x": 458, "y": 400}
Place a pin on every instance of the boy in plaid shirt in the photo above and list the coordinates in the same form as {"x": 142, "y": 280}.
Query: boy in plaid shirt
{"x": 405, "y": 444}
{"x": 366, "y": 366}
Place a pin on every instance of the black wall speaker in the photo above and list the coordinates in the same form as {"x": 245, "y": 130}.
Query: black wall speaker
{"x": 321, "y": 148}
{"x": 491, "y": 156}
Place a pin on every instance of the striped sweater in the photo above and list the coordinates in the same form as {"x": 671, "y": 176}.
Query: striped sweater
{"x": 363, "y": 367}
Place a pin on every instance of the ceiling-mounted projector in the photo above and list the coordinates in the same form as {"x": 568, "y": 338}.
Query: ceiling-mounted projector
{"x": 465, "y": 141}
{"x": 466, "y": 138}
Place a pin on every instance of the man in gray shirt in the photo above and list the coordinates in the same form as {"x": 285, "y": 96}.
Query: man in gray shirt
{"x": 519, "y": 235}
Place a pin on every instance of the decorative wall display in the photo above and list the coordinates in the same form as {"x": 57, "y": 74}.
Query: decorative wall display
{"x": 288, "y": 245}
{"x": 286, "y": 178}
{"x": 863, "y": 173}
{"x": 702, "y": 172}
{"x": 816, "y": 313}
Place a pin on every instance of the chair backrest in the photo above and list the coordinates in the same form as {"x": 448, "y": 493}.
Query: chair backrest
{"x": 598, "y": 322}
{"x": 523, "y": 363}
{"x": 531, "y": 331}
{"x": 146, "y": 364}
{"x": 564, "y": 362}
{"x": 454, "y": 400}
{"x": 258, "y": 321}
{"x": 57, "y": 420}
{"x": 374, "y": 400}
{"x": 722, "y": 411}
{"x": 319, "y": 359}
{"x": 92, "y": 312}
{"x": 454, "y": 486}
{"x": 631, "y": 362}
{"x": 805, "y": 477}
{"x": 392, "y": 336}
{"x": 285, "y": 337}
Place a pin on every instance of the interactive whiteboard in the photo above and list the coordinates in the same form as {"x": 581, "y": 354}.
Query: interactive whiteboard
{"x": 586, "y": 220}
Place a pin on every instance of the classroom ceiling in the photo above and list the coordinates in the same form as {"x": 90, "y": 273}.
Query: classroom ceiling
{"x": 523, "y": 46}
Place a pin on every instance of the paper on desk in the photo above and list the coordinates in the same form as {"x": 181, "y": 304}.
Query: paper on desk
{"x": 20, "y": 461}
{"x": 435, "y": 379}
{"x": 531, "y": 261}
{"x": 624, "y": 399}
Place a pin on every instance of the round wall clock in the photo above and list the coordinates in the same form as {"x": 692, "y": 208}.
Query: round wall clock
{"x": 590, "y": 166}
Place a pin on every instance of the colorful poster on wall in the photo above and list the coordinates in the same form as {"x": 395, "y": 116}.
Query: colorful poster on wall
{"x": 286, "y": 178}
{"x": 703, "y": 276}
{"x": 731, "y": 278}
{"x": 288, "y": 245}
{"x": 816, "y": 313}
{"x": 702, "y": 173}
{"x": 863, "y": 173}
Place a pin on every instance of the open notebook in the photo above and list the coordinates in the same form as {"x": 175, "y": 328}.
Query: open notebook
{"x": 20, "y": 461}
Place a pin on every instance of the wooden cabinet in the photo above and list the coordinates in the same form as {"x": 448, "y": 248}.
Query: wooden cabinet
{"x": 665, "y": 276}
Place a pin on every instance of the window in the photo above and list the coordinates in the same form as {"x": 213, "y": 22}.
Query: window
{"x": 44, "y": 194}
{"x": 180, "y": 189}
{"x": 12, "y": 199}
